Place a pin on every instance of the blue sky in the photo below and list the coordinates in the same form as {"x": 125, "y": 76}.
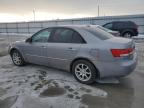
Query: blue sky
{"x": 22, "y": 10}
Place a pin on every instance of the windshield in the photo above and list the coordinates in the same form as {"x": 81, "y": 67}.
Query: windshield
{"x": 105, "y": 29}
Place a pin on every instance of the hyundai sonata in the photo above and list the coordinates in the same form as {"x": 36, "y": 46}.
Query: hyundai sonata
{"x": 87, "y": 51}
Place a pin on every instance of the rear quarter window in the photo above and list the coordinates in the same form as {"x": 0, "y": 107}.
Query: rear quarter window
{"x": 99, "y": 33}
{"x": 77, "y": 38}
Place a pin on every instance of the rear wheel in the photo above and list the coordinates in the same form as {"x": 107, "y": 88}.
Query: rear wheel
{"x": 127, "y": 34}
{"x": 84, "y": 71}
{"x": 17, "y": 58}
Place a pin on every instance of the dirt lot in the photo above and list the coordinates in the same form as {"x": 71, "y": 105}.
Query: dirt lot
{"x": 34, "y": 86}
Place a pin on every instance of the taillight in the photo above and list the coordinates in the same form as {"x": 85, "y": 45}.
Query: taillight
{"x": 122, "y": 52}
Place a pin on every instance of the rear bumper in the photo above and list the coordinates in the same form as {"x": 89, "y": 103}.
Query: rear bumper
{"x": 116, "y": 69}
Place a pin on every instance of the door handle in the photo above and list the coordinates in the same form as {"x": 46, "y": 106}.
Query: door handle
{"x": 72, "y": 49}
{"x": 43, "y": 46}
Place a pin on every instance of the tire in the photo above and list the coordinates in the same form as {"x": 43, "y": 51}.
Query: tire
{"x": 83, "y": 68}
{"x": 17, "y": 58}
{"x": 127, "y": 34}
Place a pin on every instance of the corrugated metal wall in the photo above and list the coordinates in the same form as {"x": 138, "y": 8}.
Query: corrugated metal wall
{"x": 32, "y": 27}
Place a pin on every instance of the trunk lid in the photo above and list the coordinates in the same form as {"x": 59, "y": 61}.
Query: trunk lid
{"x": 121, "y": 47}
{"x": 118, "y": 42}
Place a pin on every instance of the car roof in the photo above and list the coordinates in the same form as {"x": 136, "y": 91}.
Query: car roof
{"x": 121, "y": 22}
{"x": 73, "y": 26}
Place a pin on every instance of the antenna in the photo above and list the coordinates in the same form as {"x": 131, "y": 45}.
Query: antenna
{"x": 98, "y": 7}
{"x": 34, "y": 14}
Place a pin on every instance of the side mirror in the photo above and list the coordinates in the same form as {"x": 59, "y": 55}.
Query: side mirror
{"x": 28, "y": 40}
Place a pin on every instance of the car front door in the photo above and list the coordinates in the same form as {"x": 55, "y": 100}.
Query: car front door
{"x": 62, "y": 48}
{"x": 35, "y": 50}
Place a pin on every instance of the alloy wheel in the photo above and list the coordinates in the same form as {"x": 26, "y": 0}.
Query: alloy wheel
{"x": 83, "y": 72}
{"x": 127, "y": 35}
{"x": 16, "y": 58}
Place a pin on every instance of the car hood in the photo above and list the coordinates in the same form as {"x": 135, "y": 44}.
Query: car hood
{"x": 19, "y": 41}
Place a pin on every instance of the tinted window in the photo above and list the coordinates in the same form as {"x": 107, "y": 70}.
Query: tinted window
{"x": 99, "y": 33}
{"x": 118, "y": 25}
{"x": 105, "y": 29}
{"x": 42, "y": 36}
{"x": 61, "y": 35}
{"x": 77, "y": 38}
{"x": 124, "y": 24}
{"x": 109, "y": 25}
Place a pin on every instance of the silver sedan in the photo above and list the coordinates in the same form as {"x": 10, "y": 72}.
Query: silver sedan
{"x": 86, "y": 51}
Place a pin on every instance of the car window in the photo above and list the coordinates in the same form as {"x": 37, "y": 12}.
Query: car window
{"x": 108, "y": 26}
{"x": 62, "y": 35}
{"x": 99, "y": 33}
{"x": 103, "y": 28}
{"x": 77, "y": 38}
{"x": 42, "y": 36}
{"x": 119, "y": 25}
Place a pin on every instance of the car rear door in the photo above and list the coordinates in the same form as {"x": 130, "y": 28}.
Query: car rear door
{"x": 61, "y": 48}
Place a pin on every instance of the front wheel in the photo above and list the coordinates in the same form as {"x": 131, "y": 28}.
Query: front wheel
{"x": 84, "y": 71}
{"x": 17, "y": 58}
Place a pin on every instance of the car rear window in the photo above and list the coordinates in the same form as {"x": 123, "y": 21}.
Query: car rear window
{"x": 99, "y": 33}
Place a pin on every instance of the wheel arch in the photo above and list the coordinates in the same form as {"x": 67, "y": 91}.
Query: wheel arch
{"x": 86, "y": 59}
{"x": 127, "y": 30}
{"x": 13, "y": 49}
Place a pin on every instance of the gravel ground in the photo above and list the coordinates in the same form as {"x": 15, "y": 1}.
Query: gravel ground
{"x": 34, "y": 86}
